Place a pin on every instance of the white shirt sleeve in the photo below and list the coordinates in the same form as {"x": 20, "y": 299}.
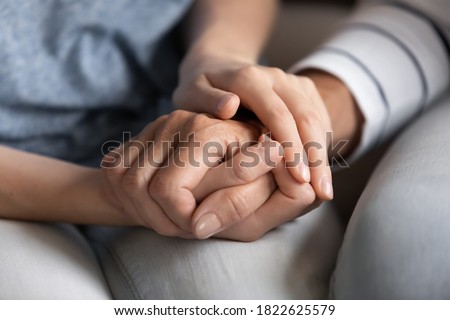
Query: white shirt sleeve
{"x": 393, "y": 59}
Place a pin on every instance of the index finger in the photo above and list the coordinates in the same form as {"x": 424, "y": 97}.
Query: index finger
{"x": 256, "y": 93}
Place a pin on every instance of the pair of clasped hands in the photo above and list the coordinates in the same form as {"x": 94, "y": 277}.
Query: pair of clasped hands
{"x": 198, "y": 173}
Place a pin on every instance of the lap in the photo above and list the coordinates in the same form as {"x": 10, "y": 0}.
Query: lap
{"x": 293, "y": 261}
{"x": 47, "y": 261}
{"x": 397, "y": 244}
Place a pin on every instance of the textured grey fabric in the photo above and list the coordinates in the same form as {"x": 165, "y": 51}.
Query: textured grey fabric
{"x": 47, "y": 261}
{"x": 397, "y": 245}
{"x": 76, "y": 73}
{"x": 293, "y": 261}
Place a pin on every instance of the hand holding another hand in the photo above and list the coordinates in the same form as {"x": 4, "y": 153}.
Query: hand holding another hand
{"x": 290, "y": 106}
{"x": 248, "y": 210}
{"x": 184, "y": 190}
{"x": 151, "y": 178}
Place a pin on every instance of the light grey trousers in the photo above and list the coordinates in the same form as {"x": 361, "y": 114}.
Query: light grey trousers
{"x": 397, "y": 245}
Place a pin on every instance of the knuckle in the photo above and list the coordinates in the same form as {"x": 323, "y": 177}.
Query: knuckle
{"x": 300, "y": 195}
{"x": 239, "y": 205}
{"x": 310, "y": 119}
{"x": 162, "y": 119}
{"x": 178, "y": 114}
{"x": 160, "y": 123}
{"x": 293, "y": 78}
{"x": 164, "y": 131}
{"x": 199, "y": 120}
{"x": 307, "y": 83}
{"x": 277, "y": 72}
{"x": 280, "y": 114}
{"x": 133, "y": 183}
{"x": 248, "y": 73}
{"x": 244, "y": 174}
{"x": 205, "y": 129}
{"x": 183, "y": 209}
{"x": 160, "y": 188}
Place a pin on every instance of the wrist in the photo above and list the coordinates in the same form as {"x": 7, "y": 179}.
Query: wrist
{"x": 89, "y": 202}
{"x": 345, "y": 115}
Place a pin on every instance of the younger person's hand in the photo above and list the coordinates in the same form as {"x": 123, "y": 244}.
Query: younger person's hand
{"x": 290, "y": 107}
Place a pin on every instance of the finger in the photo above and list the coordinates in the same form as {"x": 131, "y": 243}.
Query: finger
{"x": 172, "y": 185}
{"x": 154, "y": 217}
{"x": 124, "y": 156}
{"x": 155, "y": 156}
{"x": 137, "y": 179}
{"x": 202, "y": 97}
{"x": 136, "y": 187}
{"x": 150, "y": 213}
{"x": 311, "y": 126}
{"x": 257, "y": 94}
{"x": 120, "y": 160}
{"x": 321, "y": 178}
{"x": 288, "y": 202}
{"x": 250, "y": 163}
{"x": 236, "y": 204}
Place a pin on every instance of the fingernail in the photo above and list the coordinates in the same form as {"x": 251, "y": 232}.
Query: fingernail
{"x": 327, "y": 187}
{"x": 304, "y": 172}
{"x": 207, "y": 226}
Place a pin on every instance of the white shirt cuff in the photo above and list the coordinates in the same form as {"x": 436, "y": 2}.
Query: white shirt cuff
{"x": 364, "y": 89}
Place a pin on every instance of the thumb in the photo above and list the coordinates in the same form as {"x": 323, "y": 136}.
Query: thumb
{"x": 202, "y": 97}
{"x": 245, "y": 186}
{"x": 226, "y": 207}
